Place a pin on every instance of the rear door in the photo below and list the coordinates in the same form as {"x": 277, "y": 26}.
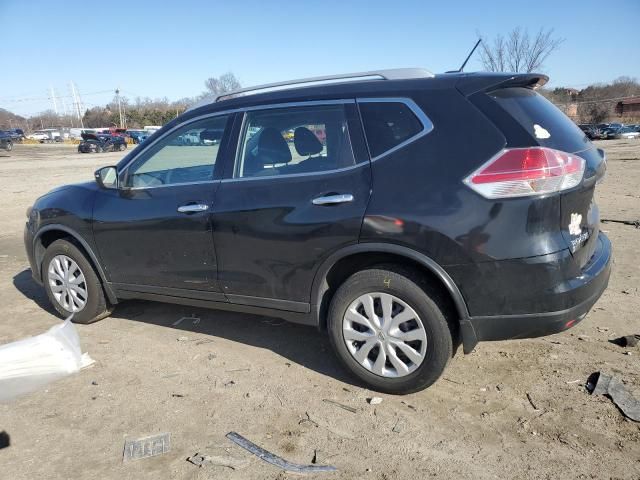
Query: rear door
{"x": 296, "y": 192}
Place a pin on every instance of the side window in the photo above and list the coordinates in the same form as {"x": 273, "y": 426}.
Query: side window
{"x": 186, "y": 155}
{"x": 286, "y": 141}
{"x": 387, "y": 125}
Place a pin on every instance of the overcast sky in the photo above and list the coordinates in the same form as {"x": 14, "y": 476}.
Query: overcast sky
{"x": 167, "y": 49}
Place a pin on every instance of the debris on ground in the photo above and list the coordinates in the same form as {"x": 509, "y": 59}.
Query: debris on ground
{"x": 200, "y": 460}
{"x": 144, "y": 447}
{"x": 409, "y": 405}
{"x": 279, "y": 462}
{"x": 601, "y": 384}
{"x": 344, "y": 407}
{"x": 31, "y": 363}
{"x": 194, "y": 319}
{"x": 633, "y": 223}
{"x": 374, "y": 400}
{"x": 627, "y": 341}
{"x": 308, "y": 420}
{"x": 531, "y": 401}
{"x": 399, "y": 426}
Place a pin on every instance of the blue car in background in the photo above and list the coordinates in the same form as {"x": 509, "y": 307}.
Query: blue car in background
{"x": 138, "y": 136}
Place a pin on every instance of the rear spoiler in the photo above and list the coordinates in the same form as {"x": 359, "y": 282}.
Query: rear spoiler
{"x": 486, "y": 82}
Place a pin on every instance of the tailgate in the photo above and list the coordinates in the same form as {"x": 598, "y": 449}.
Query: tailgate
{"x": 543, "y": 124}
{"x": 580, "y": 218}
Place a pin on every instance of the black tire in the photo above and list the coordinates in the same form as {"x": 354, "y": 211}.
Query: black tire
{"x": 9, "y": 146}
{"x": 123, "y": 147}
{"x": 96, "y": 307}
{"x": 411, "y": 288}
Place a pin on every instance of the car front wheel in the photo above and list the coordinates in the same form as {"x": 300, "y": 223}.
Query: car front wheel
{"x": 389, "y": 329}
{"x": 72, "y": 285}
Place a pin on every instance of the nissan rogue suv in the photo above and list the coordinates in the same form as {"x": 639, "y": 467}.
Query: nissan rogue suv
{"x": 402, "y": 213}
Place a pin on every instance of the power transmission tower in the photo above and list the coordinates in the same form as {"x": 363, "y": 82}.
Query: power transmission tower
{"x": 53, "y": 99}
{"x": 76, "y": 101}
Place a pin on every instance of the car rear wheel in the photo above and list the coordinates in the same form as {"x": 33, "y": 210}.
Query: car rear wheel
{"x": 9, "y": 146}
{"x": 72, "y": 285}
{"x": 388, "y": 328}
{"x": 123, "y": 146}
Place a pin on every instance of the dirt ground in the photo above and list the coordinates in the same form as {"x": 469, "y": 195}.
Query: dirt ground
{"x": 267, "y": 380}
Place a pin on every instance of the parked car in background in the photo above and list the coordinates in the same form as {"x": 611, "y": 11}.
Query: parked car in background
{"x": 626, "y": 133}
{"x": 16, "y": 134}
{"x": 399, "y": 231}
{"x": 138, "y": 136}
{"x": 98, "y": 143}
{"x": 608, "y": 133}
{"x": 6, "y": 142}
{"x": 591, "y": 131}
{"x": 38, "y": 135}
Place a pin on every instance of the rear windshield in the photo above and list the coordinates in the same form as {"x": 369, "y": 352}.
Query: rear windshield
{"x": 542, "y": 119}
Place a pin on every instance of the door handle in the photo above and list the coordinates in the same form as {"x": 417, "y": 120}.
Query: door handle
{"x": 193, "y": 208}
{"x": 333, "y": 199}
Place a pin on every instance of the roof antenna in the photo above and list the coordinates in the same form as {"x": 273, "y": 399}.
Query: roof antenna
{"x": 464, "y": 64}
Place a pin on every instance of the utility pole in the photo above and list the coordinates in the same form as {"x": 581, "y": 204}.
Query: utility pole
{"x": 119, "y": 107}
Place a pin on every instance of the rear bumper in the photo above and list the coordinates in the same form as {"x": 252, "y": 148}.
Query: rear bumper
{"x": 578, "y": 293}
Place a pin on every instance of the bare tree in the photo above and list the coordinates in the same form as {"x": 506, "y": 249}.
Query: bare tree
{"x": 518, "y": 52}
{"x": 222, "y": 84}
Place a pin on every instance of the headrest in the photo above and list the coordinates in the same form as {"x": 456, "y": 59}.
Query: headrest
{"x": 306, "y": 142}
{"x": 272, "y": 147}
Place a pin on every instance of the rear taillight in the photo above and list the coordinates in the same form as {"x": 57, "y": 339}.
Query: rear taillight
{"x": 520, "y": 172}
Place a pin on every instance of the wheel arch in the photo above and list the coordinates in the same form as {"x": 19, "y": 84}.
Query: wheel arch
{"x": 50, "y": 233}
{"x": 341, "y": 264}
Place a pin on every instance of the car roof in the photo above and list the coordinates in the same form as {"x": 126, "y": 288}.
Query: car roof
{"x": 294, "y": 91}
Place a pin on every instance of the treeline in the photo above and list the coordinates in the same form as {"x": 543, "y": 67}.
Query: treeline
{"x": 136, "y": 113}
{"x": 595, "y": 103}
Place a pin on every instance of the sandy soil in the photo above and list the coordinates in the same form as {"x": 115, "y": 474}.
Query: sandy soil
{"x": 267, "y": 379}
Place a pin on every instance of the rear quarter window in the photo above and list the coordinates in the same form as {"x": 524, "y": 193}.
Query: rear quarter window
{"x": 387, "y": 125}
{"x": 542, "y": 119}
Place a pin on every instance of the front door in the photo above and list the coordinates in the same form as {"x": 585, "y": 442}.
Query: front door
{"x": 155, "y": 230}
{"x": 298, "y": 192}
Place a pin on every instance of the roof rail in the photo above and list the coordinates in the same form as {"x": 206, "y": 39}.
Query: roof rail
{"x": 392, "y": 74}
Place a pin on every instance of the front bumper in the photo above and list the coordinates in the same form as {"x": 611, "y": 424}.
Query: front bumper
{"x": 29, "y": 248}
{"x": 576, "y": 294}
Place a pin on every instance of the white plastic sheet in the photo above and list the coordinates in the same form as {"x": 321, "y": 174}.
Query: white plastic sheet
{"x": 29, "y": 364}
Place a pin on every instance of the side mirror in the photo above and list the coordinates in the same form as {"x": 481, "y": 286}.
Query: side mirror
{"x": 107, "y": 177}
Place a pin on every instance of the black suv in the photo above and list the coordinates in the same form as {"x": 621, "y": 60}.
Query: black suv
{"x": 403, "y": 213}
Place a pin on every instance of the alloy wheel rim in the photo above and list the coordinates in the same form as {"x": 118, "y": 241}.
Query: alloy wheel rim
{"x": 67, "y": 283}
{"x": 384, "y": 335}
